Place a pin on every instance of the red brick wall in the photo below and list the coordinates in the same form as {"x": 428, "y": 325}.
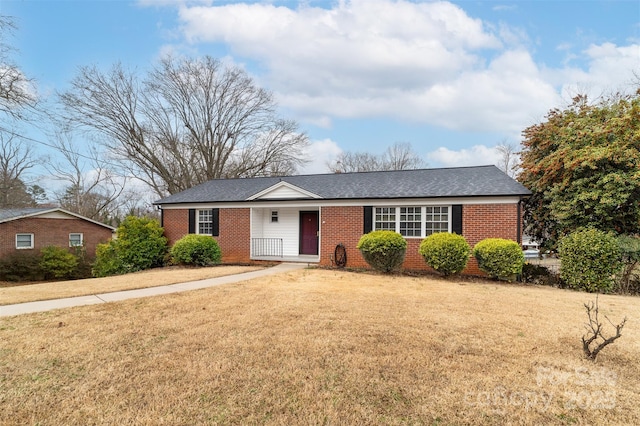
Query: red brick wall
{"x": 480, "y": 221}
{"x": 51, "y": 232}
{"x": 235, "y": 235}
{"x": 175, "y": 224}
{"x": 341, "y": 225}
{"x": 235, "y": 228}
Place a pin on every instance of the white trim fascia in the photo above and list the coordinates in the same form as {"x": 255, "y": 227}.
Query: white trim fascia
{"x": 382, "y": 202}
{"x": 57, "y": 209}
{"x": 286, "y": 185}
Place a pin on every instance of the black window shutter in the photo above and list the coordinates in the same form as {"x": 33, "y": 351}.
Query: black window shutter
{"x": 192, "y": 221}
{"x": 456, "y": 219}
{"x": 368, "y": 219}
{"x": 215, "y": 214}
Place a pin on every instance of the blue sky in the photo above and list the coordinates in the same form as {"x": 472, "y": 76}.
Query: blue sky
{"x": 452, "y": 78}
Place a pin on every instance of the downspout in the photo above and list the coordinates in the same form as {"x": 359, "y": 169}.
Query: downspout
{"x": 519, "y": 237}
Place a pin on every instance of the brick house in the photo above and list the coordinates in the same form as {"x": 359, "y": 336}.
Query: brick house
{"x": 30, "y": 229}
{"x": 304, "y": 218}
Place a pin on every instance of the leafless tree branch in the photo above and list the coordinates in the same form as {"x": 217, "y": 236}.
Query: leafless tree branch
{"x": 595, "y": 332}
{"x": 187, "y": 122}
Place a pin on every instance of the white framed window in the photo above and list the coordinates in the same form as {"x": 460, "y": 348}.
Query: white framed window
{"x": 24, "y": 241}
{"x": 413, "y": 221}
{"x": 76, "y": 239}
{"x": 436, "y": 220}
{"x": 385, "y": 219}
{"x": 410, "y": 221}
{"x": 205, "y": 222}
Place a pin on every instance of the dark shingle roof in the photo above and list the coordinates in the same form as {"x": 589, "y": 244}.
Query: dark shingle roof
{"x": 7, "y": 215}
{"x": 11, "y": 214}
{"x": 424, "y": 183}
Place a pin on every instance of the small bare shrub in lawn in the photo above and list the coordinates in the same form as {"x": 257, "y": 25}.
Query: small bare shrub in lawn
{"x": 595, "y": 335}
{"x": 383, "y": 250}
{"x": 591, "y": 259}
{"x": 57, "y": 262}
{"x": 194, "y": 249}
{"x": 446, "y": 253}
{"x": 499, "y": 258}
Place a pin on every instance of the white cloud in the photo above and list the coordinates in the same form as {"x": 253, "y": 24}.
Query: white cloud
{"x": 477, "y": 155}
{"x": 418, "y": 62}
{"x": 321, "y": 153}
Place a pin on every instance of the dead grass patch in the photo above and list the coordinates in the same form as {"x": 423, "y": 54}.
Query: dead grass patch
{"x": 143, "y": 279}
{"x": 323, "y": 347}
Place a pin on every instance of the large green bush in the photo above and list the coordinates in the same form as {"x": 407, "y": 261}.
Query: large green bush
{"x": 139, "y": 245}
{"x": 21, "y": 266}
{"x": 591, "y": 259}
{"x": 446, "y": 253}
{"x": 57, "y": 262}
{"x": 193, "y": 249}
{"x": 383, "y": 250}
{"x": 499, "y": 258}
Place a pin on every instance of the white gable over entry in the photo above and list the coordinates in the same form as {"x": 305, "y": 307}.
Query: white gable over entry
{"x": 283, "y": 191}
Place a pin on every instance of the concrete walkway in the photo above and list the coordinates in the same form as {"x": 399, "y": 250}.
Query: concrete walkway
{"x": 94, "y": 299}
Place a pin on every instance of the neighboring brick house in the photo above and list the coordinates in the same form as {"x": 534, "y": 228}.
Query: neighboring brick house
{"x": 30, "y": 229}
{"x": 304, "y": 218}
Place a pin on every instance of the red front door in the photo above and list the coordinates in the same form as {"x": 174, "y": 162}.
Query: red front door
{"x": 309, "y": 233}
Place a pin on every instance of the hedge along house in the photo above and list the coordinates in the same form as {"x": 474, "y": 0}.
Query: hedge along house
{"x": 304, "y": 218}
{"x": 30, "y": 229}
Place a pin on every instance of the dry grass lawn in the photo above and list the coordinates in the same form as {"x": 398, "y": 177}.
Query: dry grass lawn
{"x": 323, "y": 347}
{"x": 143, "y": 279}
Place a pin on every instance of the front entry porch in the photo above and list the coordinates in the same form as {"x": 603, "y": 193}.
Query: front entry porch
{"x": 285, "y": 234}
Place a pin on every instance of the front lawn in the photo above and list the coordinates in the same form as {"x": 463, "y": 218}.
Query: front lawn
{"x": 323, "y": 347}
{"x": 11, "y": 293}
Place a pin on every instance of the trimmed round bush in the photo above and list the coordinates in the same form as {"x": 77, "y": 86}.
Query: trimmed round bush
{"x": 499, "y": 258}
{"x": 193, "y": 249}
{"x": 446, "y": 253}
{"x": 57, "y": 262}
{"x": 590, "y": 260}
{"x": 383, "y": 250}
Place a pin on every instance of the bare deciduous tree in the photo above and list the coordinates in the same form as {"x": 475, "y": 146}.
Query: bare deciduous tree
{"x": 16, "y": 157}
{"x": 399, "y": 156}
{"x": 16, "y": 90}
{"x": 187, "y": 122}
{"x": 509, "y": 159}
{"x": 93, "y": 190}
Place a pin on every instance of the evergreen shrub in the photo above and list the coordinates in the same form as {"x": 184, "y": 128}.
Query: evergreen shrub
{"x": 446, "y": 253}
{"x": 383, "y": 250}
{"x": 499, "y": 258}
{"x": 199, "y": 250}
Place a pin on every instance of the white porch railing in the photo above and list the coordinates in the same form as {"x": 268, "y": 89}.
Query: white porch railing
{"x": 266, "y": 247}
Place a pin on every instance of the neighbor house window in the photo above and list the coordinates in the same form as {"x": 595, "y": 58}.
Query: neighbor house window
{"x": 24, "y": 241}
{"x": 413, "y": 221}
{"x": 75, "y": 240}
{"x": 385, "y": 219}
{"x": 205, "y": 222}
{"x": 274, "y": 216}
{"x": 436, "y": 220}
